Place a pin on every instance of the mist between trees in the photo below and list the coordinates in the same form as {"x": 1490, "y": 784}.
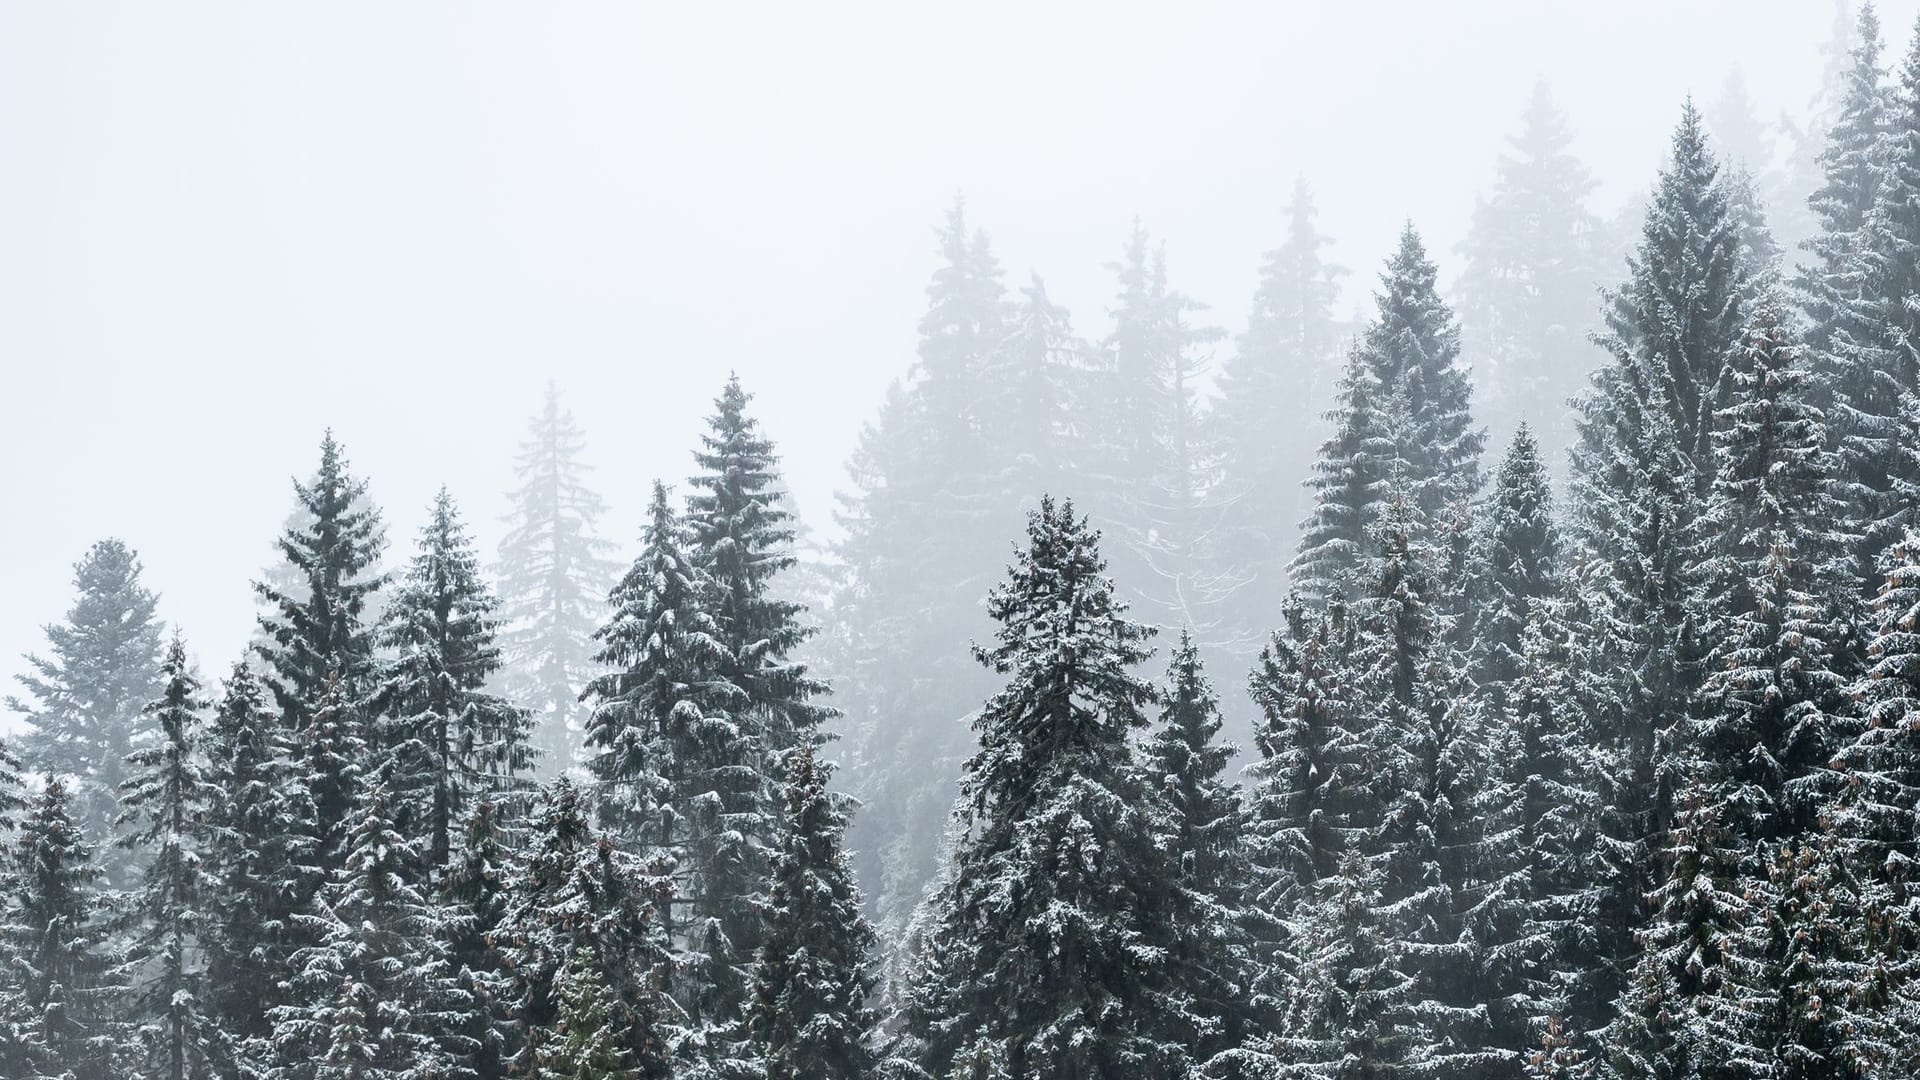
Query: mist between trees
{"x": 1623, "y": 782}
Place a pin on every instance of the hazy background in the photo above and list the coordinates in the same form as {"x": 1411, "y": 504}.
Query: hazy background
{"x": 224, "y": 227}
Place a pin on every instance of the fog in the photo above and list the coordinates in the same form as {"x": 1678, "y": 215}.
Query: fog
{"x": 231, "y": 226}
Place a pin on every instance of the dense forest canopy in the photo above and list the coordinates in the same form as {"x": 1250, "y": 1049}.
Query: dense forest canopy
{"x": 1517, "y": 676}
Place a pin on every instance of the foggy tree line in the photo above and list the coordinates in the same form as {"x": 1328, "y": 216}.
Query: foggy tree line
{"x": 1618, "y": 783}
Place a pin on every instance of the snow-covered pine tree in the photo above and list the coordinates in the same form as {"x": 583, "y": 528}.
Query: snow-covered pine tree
{"x": 1641, "y": 469}
{"x": 1051, "y": 960}
{"x": 318, "y": 629}
{"x": 1516, "y": 566}
{"x": 1760, "y": 253}
{"x": 53, "y": 938}
{"x": 1532, "y": 255}
{"x": 168, "y": 801}
{"x": 1806, "y": 992}
{"x": 373, "y": 998}
{"x": 1348, "y": 484}
{"x": 13, "y": 797}
{"x": 585, "y": 1043}
{"x": 1535, "y": 820}
{"x": 807, "y": 1012}
{"x": 1874, "y": 370}
{"x": 102, "y": 667}
{"x": 1769, "y": 569}
{"x": 332, "y": 753}
{"x": 260, "y": 860}
{"x": 1407, "y": 422}
{"x": 1664, "y": 1022}
{"x": 1852, "y": 163}
{"x": 921, "y": 534}
{"x": 1200, "y": 823}
{"x": 678, "y": 770}
{"x": 1353, "y": 1003}
{"x": 1411, "y": 689}
{"x": 554, "y": 571}
{"x": 573, "y": 895}
{"x": 1149, "y": 463}
{"x": 450, "y": 739}
{"x": 473, "y": 900}
{"x": 742, "y": 537}
{"x": 1308, "y": 796}
{"x": 1267, "y": 423}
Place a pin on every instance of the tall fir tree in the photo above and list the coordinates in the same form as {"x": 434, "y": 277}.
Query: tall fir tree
{"x": 53, "y": 947}
{"x": 1870, "y": 367}
{"x": 1200, "y": 822}
{"x": 1422, "y": 756}
{"x": 1516, "y": 565}
{"x": 102, "y": 667}
{"x": 260, "y": 862}
{"x": 372, "y": 998}
{"x": 1306, "y": 803}
{"x": 169, "y": 802}
{"x": 473, "y": 901}
{"x": 920, "y": 533}
{"x": 584, "y": 1044}
{"x": 574, "y": 897}
{"x": 452, "y": 741}
{"x": 678, "y": 769}
{"x": 1149, "y": 466}
{"x": 1526, "y": 289}
{"x": 807, "y": 1012}
{"x": 1852, "y": 163}
{"x": 1266, "y": 423}
{"x": 318, "y": 628}
{"x": 1641, "y": 469}
{"x": 554, "y": 571}
{"x": 742, "y": 536}
{"x": 1043, "y": 957}
{"x": 1404, "y": 420}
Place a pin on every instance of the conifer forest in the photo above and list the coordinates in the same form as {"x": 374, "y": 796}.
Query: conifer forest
{"x": 1498, "y": 662}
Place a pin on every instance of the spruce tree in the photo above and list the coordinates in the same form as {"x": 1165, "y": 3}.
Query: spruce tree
{"x": 169, "y": 801}
{"x": 1852, "y": 165}
{"x": 53, "y": 946}
{"x": 677, "y": 766}
{"x": 260, "y": 862}
{"x": 451, "y": 740}
{"x": 372, "y": 999}
{"x": 1516, "y": 565}
{"x": 554, "y": 572}
{"x": 317, "y": 629}
{"x": 1642, "y": 468}
{"x": 1200, "y": 827}
{"x": 1149, "y": 464}
{"x": 473, "y": 900}
{"x": 1267, "y": 422}
{"x": 743, "y": 538}
{"x": 1308, "y": 793}
{"x": 584, "y": 1043}
{"x": 1422, "y": 753}
{"x": 1532, "y": 255}
{"x": 1770, "y": 706}
{"x": 1874, "y": 371}
{"x": 1348, "y": 484}
{"x": 921, "y": 530}
{"x": 573, "y": 895}
{"x": 807, "y": 1012}
{"x": 1404, "y": 420}
{"x": 1048, "y": 959}
{"x": 1353, "y": 1001}
{"x": 102, "y": 667}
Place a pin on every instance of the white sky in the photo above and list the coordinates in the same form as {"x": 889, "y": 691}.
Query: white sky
{"x": 224, "y": 227}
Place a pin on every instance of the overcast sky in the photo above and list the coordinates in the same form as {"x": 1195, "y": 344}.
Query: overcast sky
{"x": 224, "y": 227}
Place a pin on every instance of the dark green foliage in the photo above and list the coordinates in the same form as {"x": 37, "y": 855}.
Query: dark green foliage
{"x": 807, "y": 1012}
{"x": 449, "y": 739}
